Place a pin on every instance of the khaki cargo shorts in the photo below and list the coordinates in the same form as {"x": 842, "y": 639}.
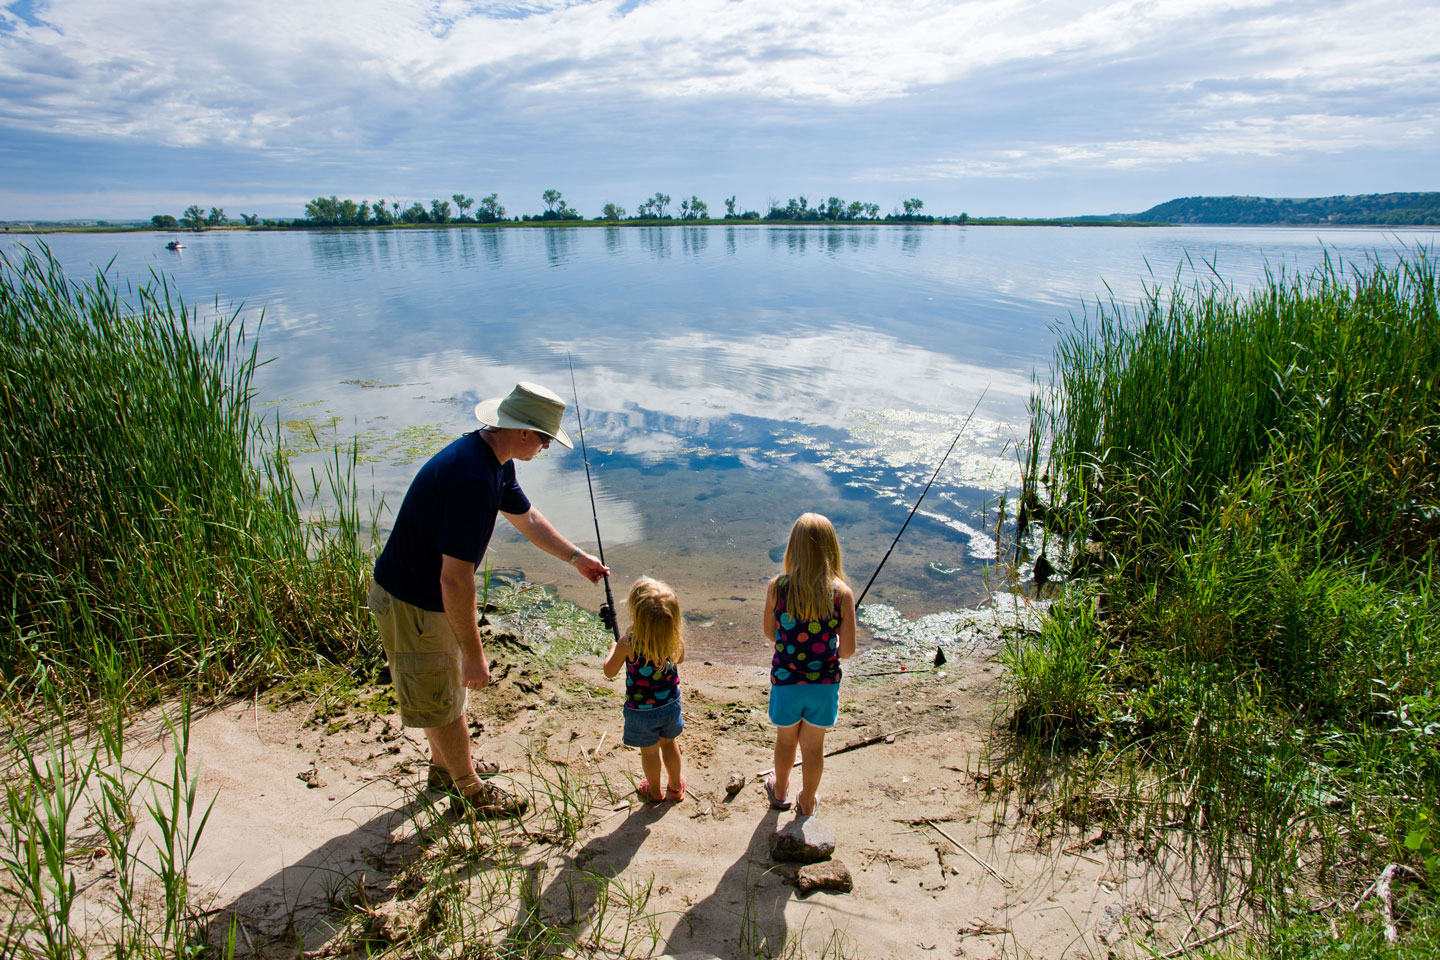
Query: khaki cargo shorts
{"x": 424, "y": 659}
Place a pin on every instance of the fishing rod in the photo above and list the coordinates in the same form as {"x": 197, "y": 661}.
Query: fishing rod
{"x": 922, "y": 494}
{"x": 585, "y": 455}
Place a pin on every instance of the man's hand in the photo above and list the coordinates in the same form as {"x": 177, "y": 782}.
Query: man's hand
{"x": 590, "y": 567}
{"x": 474, "y": 671}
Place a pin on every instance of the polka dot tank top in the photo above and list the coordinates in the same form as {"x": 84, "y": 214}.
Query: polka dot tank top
{"x": 648, "y": 687}
{"x": 805, "y": 651}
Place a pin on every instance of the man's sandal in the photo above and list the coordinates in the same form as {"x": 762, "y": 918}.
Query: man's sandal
{"x": 439, "y": 776}
{"x": 473, "y": 796}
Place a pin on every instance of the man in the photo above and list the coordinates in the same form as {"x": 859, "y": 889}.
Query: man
{"x": 424, "y": 592}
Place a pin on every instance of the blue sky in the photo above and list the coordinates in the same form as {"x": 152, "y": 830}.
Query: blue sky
{"x": 997, "y": 107}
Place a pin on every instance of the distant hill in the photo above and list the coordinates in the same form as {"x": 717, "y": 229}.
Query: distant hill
{"x": 1377, "y": 209}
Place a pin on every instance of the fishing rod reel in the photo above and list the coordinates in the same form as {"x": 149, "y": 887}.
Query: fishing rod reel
{"x": 607, "y": 617}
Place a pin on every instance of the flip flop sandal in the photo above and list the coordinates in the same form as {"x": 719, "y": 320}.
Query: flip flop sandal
{"x": 438, "y": 778}
{"x": 643, "y": 788}
{"x": 814, "y": 808}
{"x": 676, "y": 795}
{"x": 775, "y": 802}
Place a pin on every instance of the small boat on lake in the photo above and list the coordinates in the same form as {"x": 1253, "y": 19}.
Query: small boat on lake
{"x": 174, "y": 245}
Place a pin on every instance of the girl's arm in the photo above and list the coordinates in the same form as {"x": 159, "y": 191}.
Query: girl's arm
{"x": 681, "y": 659}
{"x": 620, "y": 651}
{"x": 847, "y": 622}
{"x": 767, "y": 615}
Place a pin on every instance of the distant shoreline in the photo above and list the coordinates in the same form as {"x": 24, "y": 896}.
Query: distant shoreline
{"x": 22, "y": 228}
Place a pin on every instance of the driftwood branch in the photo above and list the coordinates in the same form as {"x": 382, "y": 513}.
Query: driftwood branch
{"x": 847, "y": 748}
{"x": 1185, "y": 948}
{"x": 1381, "y": 890}
{"x": 970, "y": 853}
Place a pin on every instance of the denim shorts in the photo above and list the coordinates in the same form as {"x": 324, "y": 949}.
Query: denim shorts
{"x": 644, "y": 728}
{"x": 818, "y": 704}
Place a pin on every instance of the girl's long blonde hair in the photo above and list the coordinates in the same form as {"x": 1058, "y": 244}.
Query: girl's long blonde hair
{"x": 655, "y": 633}
{"x": 812, "y": 562}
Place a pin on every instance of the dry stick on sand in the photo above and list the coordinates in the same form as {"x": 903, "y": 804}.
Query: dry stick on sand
{"x": 1186, "y": 948}
{"x": 847, "y": 748}
{"x": 1381, "y": 888}
{"x": 970, "y": 853}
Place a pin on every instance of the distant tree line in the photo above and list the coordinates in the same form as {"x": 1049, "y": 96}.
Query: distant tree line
{"x": 1418, "y": 209}
{"x": 331, "y": 211}
{"x": 195, "y": 218}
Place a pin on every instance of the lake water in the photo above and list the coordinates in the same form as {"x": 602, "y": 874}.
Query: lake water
{"x": 731, "y": 377}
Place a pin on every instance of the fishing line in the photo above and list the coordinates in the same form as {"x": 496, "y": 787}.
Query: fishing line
{"x": 585, "y": 455}
{"x": 922, "y": 495}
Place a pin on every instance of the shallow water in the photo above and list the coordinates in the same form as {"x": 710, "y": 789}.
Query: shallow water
{"x": 731, "y": 377}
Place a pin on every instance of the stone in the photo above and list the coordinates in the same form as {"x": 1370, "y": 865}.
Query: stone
{"x": 735, "y": 784}
{"x": 1111, "y": 925}
{"x": 394, "y": 921}
{"x": 802, "y": 840}
{"x": 830, "y": 875}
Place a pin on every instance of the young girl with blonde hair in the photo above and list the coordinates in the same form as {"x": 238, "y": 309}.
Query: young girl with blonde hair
{"x": 650, "y": 654}
{"x": 809, "y": 616}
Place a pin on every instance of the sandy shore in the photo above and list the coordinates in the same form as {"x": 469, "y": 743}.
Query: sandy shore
{"x": 945, "y": 860}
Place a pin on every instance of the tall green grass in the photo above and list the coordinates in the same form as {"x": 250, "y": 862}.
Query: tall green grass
{"x": 1247, "y": 489}
{"x": 149, "y": 532}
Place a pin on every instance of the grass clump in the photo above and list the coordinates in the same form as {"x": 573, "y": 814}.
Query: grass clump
{"x": 148, "y": 531}
{"x": 1246, "y": 488}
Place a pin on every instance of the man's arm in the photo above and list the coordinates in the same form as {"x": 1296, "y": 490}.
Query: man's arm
{"x": 535, "y": 528}
{"x": 457, "y": 593}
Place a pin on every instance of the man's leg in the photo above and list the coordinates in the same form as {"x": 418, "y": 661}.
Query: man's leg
{"x": 450, "y": 746}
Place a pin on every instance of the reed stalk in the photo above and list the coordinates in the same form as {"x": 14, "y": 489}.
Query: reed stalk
{"x": 1247, "y": 489}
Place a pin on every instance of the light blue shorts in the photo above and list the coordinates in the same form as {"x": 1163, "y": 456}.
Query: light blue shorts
{"x": 644, "y": 728}
{"x": 818, "y": 704}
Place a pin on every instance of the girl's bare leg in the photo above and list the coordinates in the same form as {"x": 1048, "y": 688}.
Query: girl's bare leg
{"x": 670, "y": 754}
{"x": 650, "y": 763}
{"x": 786, "y": 739}
{"x": 812, "y": 765}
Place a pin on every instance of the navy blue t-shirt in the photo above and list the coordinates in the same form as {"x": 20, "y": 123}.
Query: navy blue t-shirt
{"x": 449, "y": 510}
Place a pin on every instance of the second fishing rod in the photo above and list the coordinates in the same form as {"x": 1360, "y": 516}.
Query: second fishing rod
{"x": 958, "y": 434}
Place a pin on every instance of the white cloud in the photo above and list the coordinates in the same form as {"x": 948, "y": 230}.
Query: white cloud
{"x": 273, "y": 71}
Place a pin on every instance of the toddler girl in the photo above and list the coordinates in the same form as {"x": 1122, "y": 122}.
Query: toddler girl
{"x": 650, "y": 653}
{"x": 810, "y": 617}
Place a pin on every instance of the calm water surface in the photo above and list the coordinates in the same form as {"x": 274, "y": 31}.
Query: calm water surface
{"x": 731, "y": 377}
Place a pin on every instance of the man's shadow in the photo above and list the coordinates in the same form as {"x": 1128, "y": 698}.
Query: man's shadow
{"x": 744, "y": 916}
{"x": 306, "y": 901}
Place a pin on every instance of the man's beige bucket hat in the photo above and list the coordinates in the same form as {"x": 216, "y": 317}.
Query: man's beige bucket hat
{"x": 528, "y": 407}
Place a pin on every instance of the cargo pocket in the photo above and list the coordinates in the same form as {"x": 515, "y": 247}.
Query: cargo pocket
{"x": 426, "y": 684}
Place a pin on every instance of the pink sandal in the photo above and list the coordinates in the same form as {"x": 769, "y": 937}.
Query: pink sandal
{"x": 643, "y": 788}
{"x": 676, "y": 795}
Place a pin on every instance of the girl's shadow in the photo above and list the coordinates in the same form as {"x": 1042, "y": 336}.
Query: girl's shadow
{"x": 587, "y": 894}
{"x": 745, "y": 914}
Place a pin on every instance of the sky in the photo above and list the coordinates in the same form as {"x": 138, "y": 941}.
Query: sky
{"x": 992, "y": 108}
